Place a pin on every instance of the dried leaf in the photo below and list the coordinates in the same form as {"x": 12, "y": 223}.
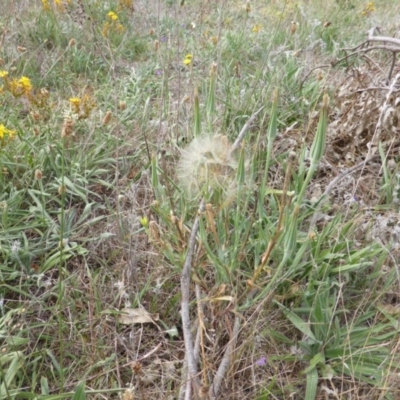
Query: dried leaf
{"x": 136, "y": 316}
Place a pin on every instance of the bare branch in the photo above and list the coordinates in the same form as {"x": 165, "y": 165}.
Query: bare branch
{"x": 225, "y": 362}
{"x": 245, "y": 128}
{"x": 333, "y": 183}
{"x": 191, "y": 361}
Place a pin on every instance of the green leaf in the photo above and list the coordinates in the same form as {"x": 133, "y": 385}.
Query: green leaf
{"x": 352, "y": 267}
{"x": 301, "y": 325}
{"x": 80, "y": 393}
{"x": 319, "y": 358}
{"x": 312, "y": 384}
{"x": 44, "y": 385}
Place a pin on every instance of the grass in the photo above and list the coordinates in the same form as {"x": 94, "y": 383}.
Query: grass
{"x": 166, "y": 225}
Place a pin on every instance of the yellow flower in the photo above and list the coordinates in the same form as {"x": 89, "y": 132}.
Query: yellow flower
{"x": 87, "y": 106}
{"x": 6, "y": 132}
{"x": 46, "y": 5}
{"x": 19, "y": 87}
{"x": 112, "y": 16}
{"x": 368, "y": 9}
{"x": 257, "y": 28}
{"x": 188, "y": 59}
{"x": 3, "y": 74}
{"x": 75, "y": 101}
{"x": 82, "y": 106}
{"x": 25, "y": 84}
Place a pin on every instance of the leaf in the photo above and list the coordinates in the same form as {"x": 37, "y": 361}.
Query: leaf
{"x": 44, "y": 384}
{"x": 301, "y": 325}
{"x": 312, "y": 383}
{"x": 136, "y": 316}
{"x": 318, "y": 359}
{"x": 80, "y": 393}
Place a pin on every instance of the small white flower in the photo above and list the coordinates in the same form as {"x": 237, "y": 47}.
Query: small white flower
{"x": 16, "y": 245}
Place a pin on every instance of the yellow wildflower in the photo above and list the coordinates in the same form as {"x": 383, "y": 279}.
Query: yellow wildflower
{"x": 3, "y": 74}
{"x": 368, "y": 9}
{"x": 256, "y": 28}
{"x": 112, "y": 25}
{"x": 82, "y": 106}
{"x": 19, "y": 87}
{"x": 112, "y": 16}
{"x": 87, "y": 106}
{"x": 6, "y": 132}
{"x": 75, "y": 102}
{"x": 188, "y": 59}
{"x": 46, "y": 5}
{"x": 25, "y": 84}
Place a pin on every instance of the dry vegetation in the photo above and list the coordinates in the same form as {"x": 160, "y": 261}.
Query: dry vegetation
{"x": 183, "y": 215}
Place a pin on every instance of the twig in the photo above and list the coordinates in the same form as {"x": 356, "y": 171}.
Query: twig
{"x": 371, "y": 38}
{"x": 245, "y": 128}
{"x": 186, "y": 387}
{"x": 185, "y": 314}
{"x": 226, "y": 360}
{"x": 373, "y": 88}
{"x": 370, "y": 157}
{"x": 395, "y": 50}
{"x": 384, "y": 39}
{"x": 333, "y": 183}
{"x": 309, "y": 73}
{"x": 201, "y": 329}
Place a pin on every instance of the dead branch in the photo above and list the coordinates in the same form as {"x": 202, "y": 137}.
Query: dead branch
{"x": 225, "y": 362}
{"x": 361, "y": 50}
{"x": 245, "y": 128}
{"x": 191, "y": 361}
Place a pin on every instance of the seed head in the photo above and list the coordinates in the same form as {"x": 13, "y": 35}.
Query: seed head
{"x": 207, "y": 162}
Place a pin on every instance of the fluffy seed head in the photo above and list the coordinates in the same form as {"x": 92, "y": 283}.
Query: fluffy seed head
{"x": 207, "y": 162}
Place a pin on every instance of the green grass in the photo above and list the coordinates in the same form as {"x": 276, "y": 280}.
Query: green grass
{"x": 118, "y": 176}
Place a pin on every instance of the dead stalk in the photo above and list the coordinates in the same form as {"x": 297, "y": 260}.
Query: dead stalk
{"x": 245, "y": 128}
{"x": 225, "y": 362}
{"x": 191, "y": 361}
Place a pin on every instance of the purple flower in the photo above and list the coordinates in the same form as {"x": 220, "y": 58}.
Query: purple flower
{"x": 262, "y": 361}
{"x": 163, "y": 39}
{"x": 158, "y": 72}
